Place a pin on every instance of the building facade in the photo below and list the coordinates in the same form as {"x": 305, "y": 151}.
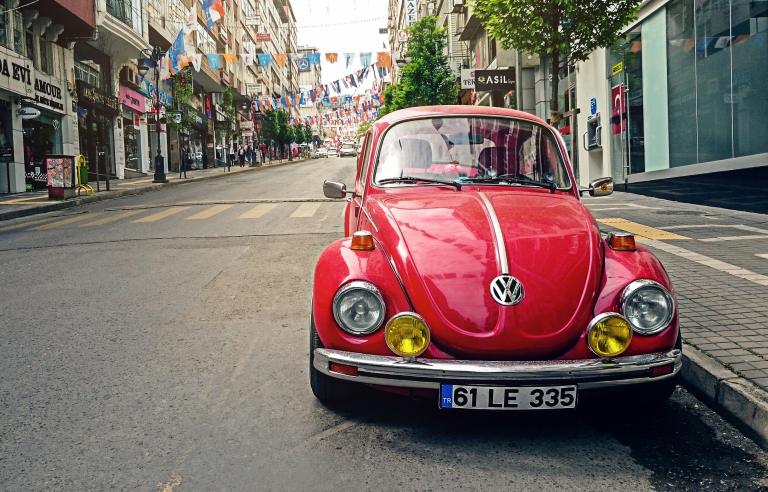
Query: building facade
{"x": 37, "y": 87}
{"x": 310, "y": 77}
{"x": 683, "y": 94}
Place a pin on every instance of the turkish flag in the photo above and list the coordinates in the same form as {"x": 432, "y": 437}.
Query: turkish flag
{"x": 618, "y": 109}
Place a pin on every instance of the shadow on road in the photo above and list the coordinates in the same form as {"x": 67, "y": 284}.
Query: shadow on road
{"x": 677, "y": 442}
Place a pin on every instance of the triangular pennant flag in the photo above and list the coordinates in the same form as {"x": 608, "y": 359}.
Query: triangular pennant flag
{"x": 365, "y": 58}
{"x": 383, "y": 59}
{"x": 197, "y": 59}
{"x": 280, "y": 59}
{"x": 214, "y": 11}
{"x": 214, "y": 61}
{"x": 264, "y": 59}
{"x": 314, "y": 58}
{"x": 331, "y": 57}
{"x": 348, "y": 59}
{"x": 230, "y": 57}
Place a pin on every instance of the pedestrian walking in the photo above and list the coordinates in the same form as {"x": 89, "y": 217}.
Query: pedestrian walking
{"x": 232, "y": 154}
{"x": 241, "y": 156}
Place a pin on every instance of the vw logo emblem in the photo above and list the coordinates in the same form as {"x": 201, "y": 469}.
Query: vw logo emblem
{"x": 507, "y": 290}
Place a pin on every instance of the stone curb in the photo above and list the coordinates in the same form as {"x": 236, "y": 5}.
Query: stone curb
{"x": 733, "y": 396}
{"x": 15, "y": 214}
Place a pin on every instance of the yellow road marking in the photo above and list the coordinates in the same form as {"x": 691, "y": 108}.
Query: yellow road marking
{"x": 160, "y": 215}
{"x": 68, "y": 220}
{"x": 305, "y": 210}
{"x": 258, "y": 211}
{"x": 209, "y": 212}
{"x": 111, "y": 218}
{"x": 640, "y": 229}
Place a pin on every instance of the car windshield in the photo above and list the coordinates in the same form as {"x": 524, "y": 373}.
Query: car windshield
{"x": 491, "y": 150}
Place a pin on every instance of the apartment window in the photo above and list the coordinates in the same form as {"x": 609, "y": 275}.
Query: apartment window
{"x": 18, "y": 32}
{"x": 46, "y": 56}
{"x": 3, "y": 24}
{"x": 89, "y": 74}
{"x": 30, "y": 46}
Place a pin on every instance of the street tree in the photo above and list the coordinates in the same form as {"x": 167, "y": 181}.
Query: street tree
{"x": 565, "y": 31}
{"x": 182, "y": 106}
{"x": 231, "y": 126}
{"x": 427, "y": 78}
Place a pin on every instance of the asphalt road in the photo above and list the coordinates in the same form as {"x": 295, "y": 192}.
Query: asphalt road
{"x": 159, "y": 342}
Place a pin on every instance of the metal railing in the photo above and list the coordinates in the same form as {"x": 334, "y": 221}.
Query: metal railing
{"x": 121, "y": 10}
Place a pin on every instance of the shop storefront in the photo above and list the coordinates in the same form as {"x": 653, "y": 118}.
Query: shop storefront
{"x": 197, "y": 141}
{"x": 32, "y": 105}
{"x": 96, "y": 111}
{"x": 682, "y": 94}
{"x": 133, "y": 105}
{"x": 166, "y": 136}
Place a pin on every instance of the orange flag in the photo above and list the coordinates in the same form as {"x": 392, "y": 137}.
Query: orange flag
{"x": 384, "y": 59}
{"x": 281, "y": 58}
{"x": 230, "y": 57}
{"x": 331, "y": 57}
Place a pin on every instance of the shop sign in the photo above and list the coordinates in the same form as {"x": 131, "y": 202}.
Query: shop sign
{"x": 88, "y": 95}
{"x": 411, "y": 11}
{"x": 252, "y": 20}
{"x": 28, "y": 113}
{"x": 593, "y": 106}
{"x": 131, "y": 99}
{"x": 246, "y": 134}
{"x": 48, "y": 95}
{"x": 15, "y": 74}
{"x": 495, "y": 80}
{"x": 246, "y": 125}
{"x": 467, "y": 78}
{"x": 263, "y": 36}
{"x": 618, "y": 68}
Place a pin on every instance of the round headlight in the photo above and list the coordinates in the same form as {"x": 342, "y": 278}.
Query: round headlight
{"x": 407, "y": 335}
{"x": 648, "y": 306}
{"x": 358, "y": 308}
{"x": 609, "y": 335}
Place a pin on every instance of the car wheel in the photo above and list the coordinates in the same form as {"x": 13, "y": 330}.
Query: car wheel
{"x": 330, "y": 391}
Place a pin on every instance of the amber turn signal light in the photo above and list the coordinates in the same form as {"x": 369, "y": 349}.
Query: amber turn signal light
{"x": 622, "y": 241}
{"x": 362, "y": 241}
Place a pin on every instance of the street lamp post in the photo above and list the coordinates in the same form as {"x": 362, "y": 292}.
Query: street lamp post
{"x": 151, "y": 58}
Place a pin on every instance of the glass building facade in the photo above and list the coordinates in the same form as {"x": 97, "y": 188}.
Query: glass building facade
{"x": 695, "y": 77}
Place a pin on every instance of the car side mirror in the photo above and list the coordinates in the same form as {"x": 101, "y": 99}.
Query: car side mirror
{"x": 334, "y": 189}
{"x": 600, "y": 187}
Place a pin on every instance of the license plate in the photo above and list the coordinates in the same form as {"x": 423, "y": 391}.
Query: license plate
{"x": 507, "y": 398}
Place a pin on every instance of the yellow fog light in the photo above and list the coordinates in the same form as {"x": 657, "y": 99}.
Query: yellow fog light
{"x": 609, "y": 335}
{"x": 407, "y": 335}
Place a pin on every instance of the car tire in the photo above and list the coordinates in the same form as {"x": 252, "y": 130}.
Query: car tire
{"x": 330, "y": 391}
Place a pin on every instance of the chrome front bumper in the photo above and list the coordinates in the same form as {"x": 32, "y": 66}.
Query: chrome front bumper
{"x": 430, "y": 373}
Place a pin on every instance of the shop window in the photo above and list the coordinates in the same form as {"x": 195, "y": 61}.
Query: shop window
{"x": 681, "y": 83}
{"x": 749, "y": 47}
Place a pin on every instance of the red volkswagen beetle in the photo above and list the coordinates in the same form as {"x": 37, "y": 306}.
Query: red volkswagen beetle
{"x": 473, "y": 274}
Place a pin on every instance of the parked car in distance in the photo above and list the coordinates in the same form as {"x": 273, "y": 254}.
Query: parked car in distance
{"x": 348, "y": 149}
{"x": 332, "y": 152}
{"x": 473, "y": 274}
{"x": 322, "y": 152}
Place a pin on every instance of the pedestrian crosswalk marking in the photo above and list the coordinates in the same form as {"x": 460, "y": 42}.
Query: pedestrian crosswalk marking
{"x": 160, "y": 215}
{"x": 640, "y": 229}
{"x": 111, "y": 218}
{"x": 209, "y": 212}
{"x": 258, "y": 211}
{"x": 305, "y": 210}
{"x": 69, "y": 220}
{"x": 28, "y": 223}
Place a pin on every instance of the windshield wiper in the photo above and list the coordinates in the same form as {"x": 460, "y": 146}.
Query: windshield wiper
{"x": 509, "y": 178}
{"x": 413, "y": 179}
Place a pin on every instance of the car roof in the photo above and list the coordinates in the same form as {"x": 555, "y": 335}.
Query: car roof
{"x": 455, "y": 110}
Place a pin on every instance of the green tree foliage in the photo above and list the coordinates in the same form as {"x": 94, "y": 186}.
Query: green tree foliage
{"x": 231, "y": 126}
{"x": 426, "y": 79}
{"x": 563, "y": 30}
{"x": 364, "y": 127}
{"x": 182, "y": 94}
{"x": 308, "y": 134}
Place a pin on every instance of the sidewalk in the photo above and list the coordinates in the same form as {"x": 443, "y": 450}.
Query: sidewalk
{"x": 31, "y": 203}
{"x": 718, "y": 261}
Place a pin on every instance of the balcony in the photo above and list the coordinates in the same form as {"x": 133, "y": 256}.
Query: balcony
{"x": 121, "y": 10}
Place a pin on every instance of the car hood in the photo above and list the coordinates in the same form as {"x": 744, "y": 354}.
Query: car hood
{"x": 444, "y": 247}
